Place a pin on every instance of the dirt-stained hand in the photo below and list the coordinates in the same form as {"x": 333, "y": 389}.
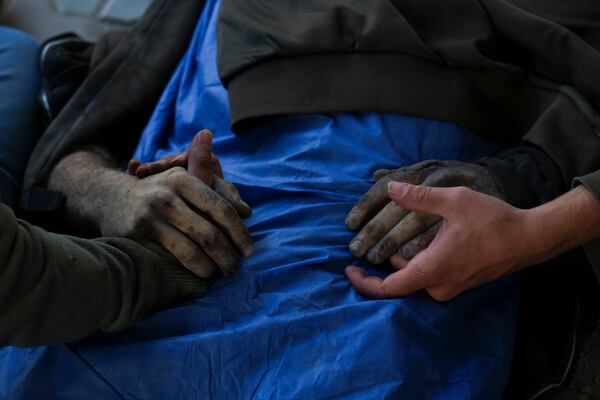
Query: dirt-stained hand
{"x": 200, "y": 162}
{"x": 388, "y": 228}
{"x": 199, "y": 225}
{"x": 482, "y": 238}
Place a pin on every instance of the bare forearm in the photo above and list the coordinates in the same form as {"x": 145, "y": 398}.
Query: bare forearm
{"x": 88, "y": 180}
{"x": 565, "y": 223}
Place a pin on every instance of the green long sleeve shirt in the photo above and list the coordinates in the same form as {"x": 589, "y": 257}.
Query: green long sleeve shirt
{"x": 56, "y": 288}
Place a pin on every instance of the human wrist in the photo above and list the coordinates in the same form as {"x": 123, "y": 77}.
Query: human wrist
{"x": 563, "y": 224}
{"x": 522, "y": 250}
{"x": 538, "y": 235}
{"x": 110, "y": 194}
{"x": 91, "y": 185}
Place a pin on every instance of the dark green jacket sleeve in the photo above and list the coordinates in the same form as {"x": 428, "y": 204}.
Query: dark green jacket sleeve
{"x": 592, "y": 249}
{"x": 591, "y": 182}
{"x": 56, "y": 288}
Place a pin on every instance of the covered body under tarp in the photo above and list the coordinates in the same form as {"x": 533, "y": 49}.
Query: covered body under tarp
{"x": 289, "y": 324}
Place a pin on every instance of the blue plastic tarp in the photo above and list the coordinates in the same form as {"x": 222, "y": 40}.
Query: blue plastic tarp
{"x": 289, "y": 325}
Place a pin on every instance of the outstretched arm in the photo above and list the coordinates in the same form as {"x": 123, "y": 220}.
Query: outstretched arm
{"x": 481, "y": 239}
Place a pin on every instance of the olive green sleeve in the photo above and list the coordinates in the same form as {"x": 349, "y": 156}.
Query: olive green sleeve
{"x": 56, "y": 288}
{"x": 592, "y": 249}
{"x": 591, "y": 182}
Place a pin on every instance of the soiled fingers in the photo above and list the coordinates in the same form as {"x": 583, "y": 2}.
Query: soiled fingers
{"x": 375, "y": 199}
{"x": 231, "y": 194}
{"x": 200, "y": 162}
{"x": 216, "y": 208}
{"x": 204, "y": 234}
{"x": 198, "y": 159}
{"x": 414, "y": 246}
{"x": 383, "y": 222}
{"x": 408, "y": 228}
{"x": 189, "y": 254}
{"x": 394, "y": 228}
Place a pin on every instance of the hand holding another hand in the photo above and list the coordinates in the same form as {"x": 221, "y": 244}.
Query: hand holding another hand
{"x": 201, "y": 163}
{"x": 392, "y": 229}
{"x": 196, "y": 216}
{"x": 480, "y": 239}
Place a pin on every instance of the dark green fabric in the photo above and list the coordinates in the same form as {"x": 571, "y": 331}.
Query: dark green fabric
{"x": 592, "y": 249}
{"x": 591, "y": 182}
{"x": 56, "y": 288}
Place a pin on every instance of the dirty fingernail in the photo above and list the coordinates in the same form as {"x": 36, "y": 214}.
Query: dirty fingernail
{"x": 373, "y": 256}
{"x": 351, "y": 220}
{"x": 356, "y": 248}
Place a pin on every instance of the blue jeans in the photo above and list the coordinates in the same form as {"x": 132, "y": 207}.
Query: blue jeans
{"x": 19, "y": 88}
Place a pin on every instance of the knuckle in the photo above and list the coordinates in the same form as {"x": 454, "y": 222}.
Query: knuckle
{"x": 422, "y": 193}
{"x": 176, "y": 177}
{"x": 373, "y": 228}
{"x": 409, "y": 250}
{"x": 189, "y": 255}
{"x": 162, "y": 200}
{"x": 219, "y": 204}
{"x": 232, "y": 188}
{"x": 386, "y": 244}
{"x": 226, "y": 209}
{"x": 384, "y": 290}
{"x": 460, "y": 193}
{"x": 139, "y": 224}
{"x": 210, "y": 239}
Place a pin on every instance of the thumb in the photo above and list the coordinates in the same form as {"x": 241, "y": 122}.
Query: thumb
{"x": 200, "y": 162}
{"x": 424, "y": 199}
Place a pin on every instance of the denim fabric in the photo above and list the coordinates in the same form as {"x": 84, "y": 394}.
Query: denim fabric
{"x": 19, "y": 88}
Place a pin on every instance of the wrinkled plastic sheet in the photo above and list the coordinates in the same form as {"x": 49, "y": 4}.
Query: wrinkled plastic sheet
{"x": 289, "y": 325}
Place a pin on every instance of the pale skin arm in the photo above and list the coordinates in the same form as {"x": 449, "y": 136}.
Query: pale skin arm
{"x": 481, "y": 239}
